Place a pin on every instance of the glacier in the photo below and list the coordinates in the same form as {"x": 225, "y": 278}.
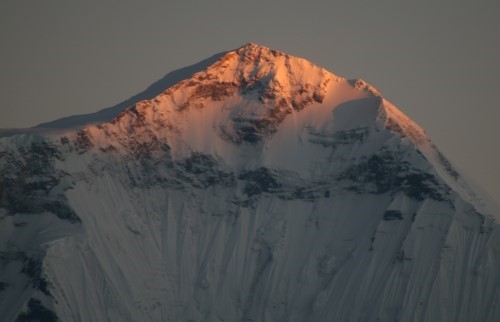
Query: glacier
{"x": 259, "y": 188}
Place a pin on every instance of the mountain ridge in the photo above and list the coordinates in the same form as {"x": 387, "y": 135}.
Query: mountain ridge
{"x": 107, "y": 114}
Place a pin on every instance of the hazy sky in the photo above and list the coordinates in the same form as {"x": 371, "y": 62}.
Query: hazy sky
{"x": 438, "y": 61}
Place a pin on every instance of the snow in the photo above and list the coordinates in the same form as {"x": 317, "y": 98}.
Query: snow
{"x": 262, "y": 188}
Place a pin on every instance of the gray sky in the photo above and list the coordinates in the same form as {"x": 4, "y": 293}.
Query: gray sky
{"x": 438, "y": 61}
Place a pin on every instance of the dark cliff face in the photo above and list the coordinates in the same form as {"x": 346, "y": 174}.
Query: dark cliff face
{"x": 30, "y": 183}
{"x": 386, "y": 171}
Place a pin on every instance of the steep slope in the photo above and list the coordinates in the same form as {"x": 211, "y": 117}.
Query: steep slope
{"x": 262, "y": 188}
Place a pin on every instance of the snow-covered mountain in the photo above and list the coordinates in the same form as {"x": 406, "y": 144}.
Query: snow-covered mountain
{"x": 260, "y": 188}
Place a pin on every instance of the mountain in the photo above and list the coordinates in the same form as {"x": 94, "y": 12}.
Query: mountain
{"x": 260, "y": 188}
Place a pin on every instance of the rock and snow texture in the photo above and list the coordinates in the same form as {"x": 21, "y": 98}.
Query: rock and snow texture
{"x": 262, "y": 188}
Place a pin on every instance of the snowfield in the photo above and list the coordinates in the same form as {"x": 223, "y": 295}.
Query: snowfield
{"x": 259, "y": 188}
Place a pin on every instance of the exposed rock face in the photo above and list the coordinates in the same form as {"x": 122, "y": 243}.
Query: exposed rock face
{"x": 262, "y": 188}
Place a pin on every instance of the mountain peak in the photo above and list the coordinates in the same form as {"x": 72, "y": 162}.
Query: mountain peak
{"x": 253, "y": 62}
{"x": 263, "y": 86}
{"x": 252, "y": 50}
